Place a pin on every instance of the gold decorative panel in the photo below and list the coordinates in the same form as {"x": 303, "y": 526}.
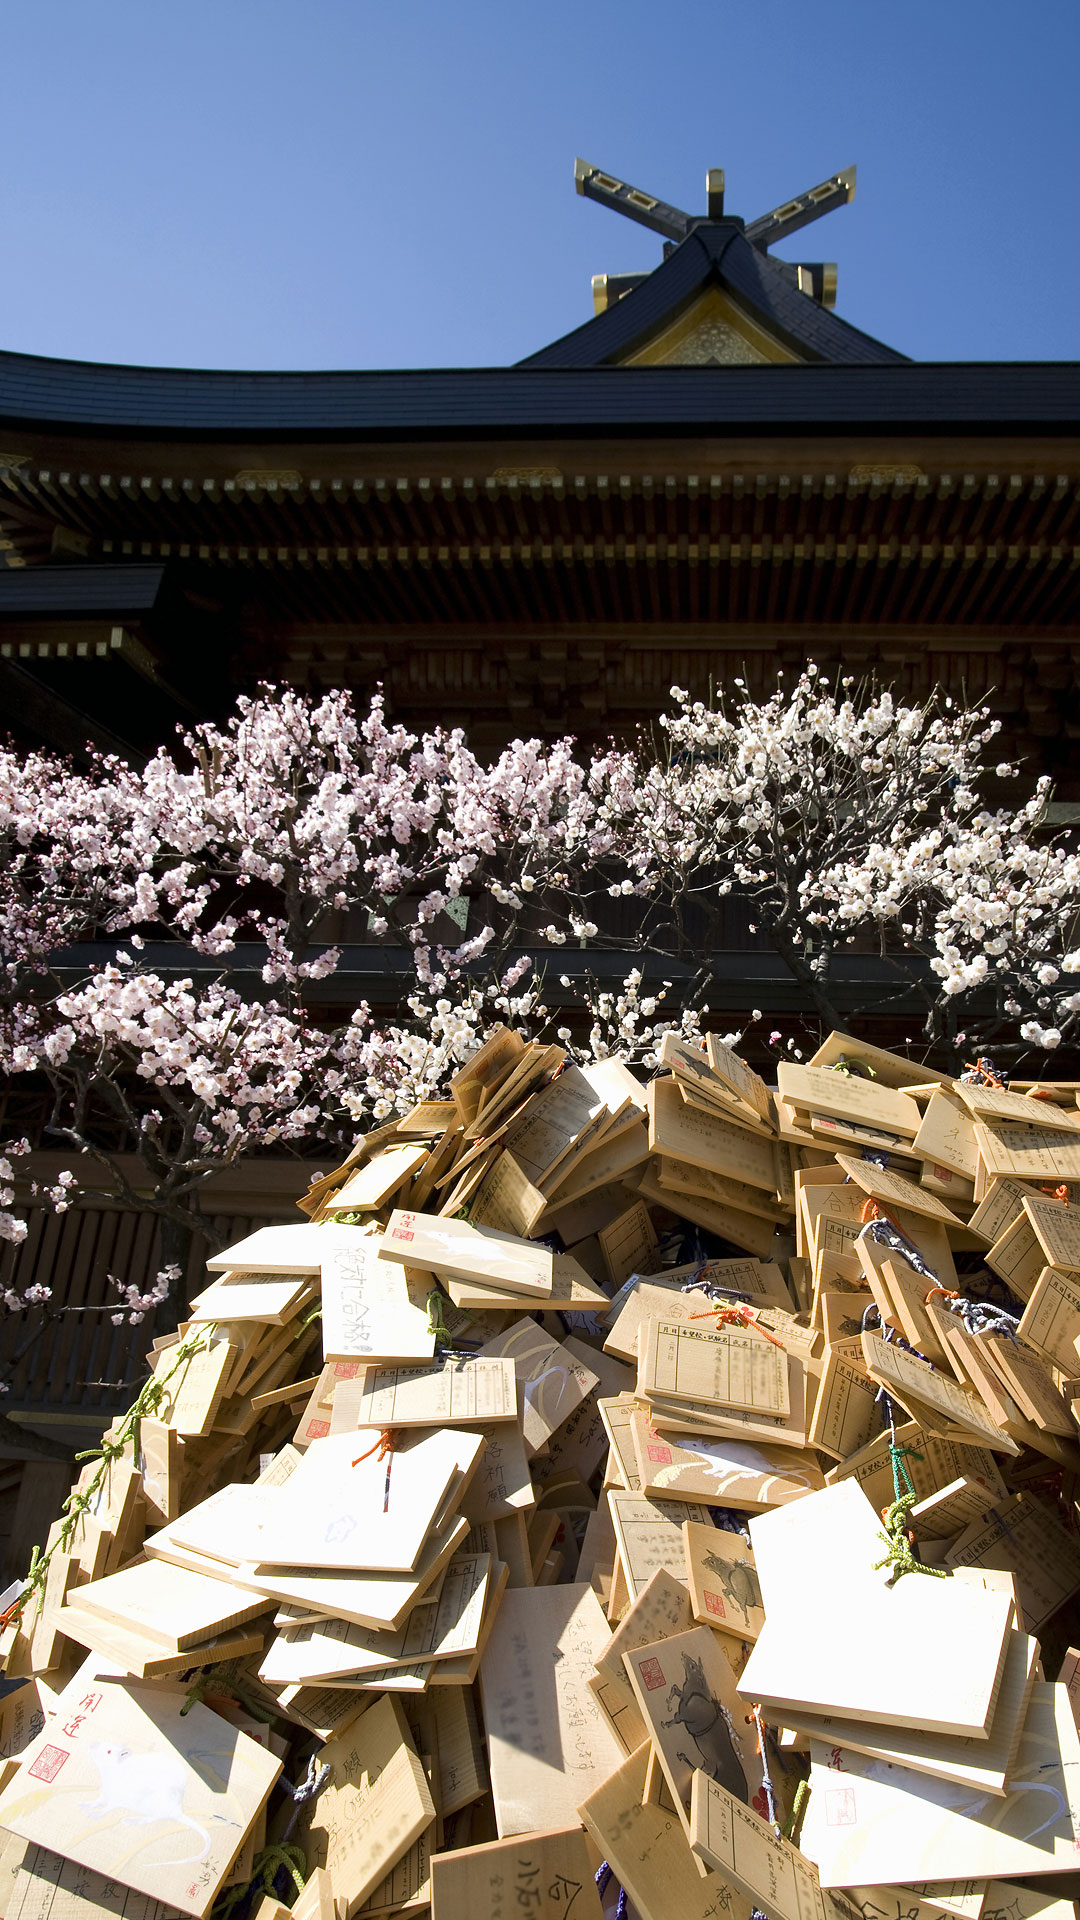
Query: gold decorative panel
{"x": 713, "y": 332}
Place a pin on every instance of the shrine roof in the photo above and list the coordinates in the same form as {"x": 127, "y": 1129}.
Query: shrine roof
{"x": 100, "y": 590}
{"x": 176, "y": 404}
{"x": 718, "y": 252}
{"x": 719, "y": 338}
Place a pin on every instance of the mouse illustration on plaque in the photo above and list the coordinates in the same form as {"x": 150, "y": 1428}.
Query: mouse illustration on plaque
{"x": 146, "y": 1788}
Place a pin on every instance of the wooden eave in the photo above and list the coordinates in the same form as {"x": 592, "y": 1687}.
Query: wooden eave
{"x": 904, "y": 534}
{"x": 532, "y": 548}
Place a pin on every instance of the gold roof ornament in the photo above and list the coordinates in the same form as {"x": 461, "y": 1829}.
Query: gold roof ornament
{"x": 816, "y": 279}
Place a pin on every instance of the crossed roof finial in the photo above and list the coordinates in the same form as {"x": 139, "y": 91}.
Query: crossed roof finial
{"x": 675, "y": 225}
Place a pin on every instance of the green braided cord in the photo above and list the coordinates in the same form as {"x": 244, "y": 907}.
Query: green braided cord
{"x": 285, "y": 1854}
{"x": 211, "y": 1678}
{"x": 798, "y": 1808}
{"x": 854, "y": 1069}
{"x": 899, "y": 1554}
{"x": 309, "y": 1319}
{"x": 435, "y": 1322}
{"x": 265, "y": 1869}
{"x": 896, "y": 1520}
{"x": 249, "y": 1703}
{"x": 79, "y": 1500}
{"x": 898, "y": 1457}
{"x": 227, "y": 1902}
{"x": 196, "y": 1691}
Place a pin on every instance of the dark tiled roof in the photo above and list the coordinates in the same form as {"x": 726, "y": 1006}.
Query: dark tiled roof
{"x": 476, "y": 403}
{"x": 719, "y": 253}
{"x": 800, "y": 320}
{"x": 71, "y": 589}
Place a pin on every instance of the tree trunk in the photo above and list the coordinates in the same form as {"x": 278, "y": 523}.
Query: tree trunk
{"x": 813, "y": 983}
{"x": 176, "y": 1243}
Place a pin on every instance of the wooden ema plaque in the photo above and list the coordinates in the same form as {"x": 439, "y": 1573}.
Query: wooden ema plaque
{"x": 186, "y": 1790}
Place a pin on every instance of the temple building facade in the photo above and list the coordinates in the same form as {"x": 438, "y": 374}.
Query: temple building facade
{"x": 713, "y": 475}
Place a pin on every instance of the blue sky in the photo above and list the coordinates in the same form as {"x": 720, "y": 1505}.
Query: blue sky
{"x": 264, "y": 183}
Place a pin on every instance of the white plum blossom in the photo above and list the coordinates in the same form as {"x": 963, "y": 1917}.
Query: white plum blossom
{"x": 12, "y": 1227}
{"x": 845, "y": 821}
{"x": 827, "y": 820}
{"x": 296, "y": 826}
{"x": 137, "y": 1305}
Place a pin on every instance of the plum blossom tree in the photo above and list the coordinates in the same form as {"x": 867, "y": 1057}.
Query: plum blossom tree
{"x": 167, "y": 935}
{"x": 297, "y": 817}
{"x": 847, "y": 821}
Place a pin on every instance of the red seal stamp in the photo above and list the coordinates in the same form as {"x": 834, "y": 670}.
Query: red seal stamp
{"x": 662, "y": 1455}
{"x": 840, "y": 1807}
{"x": 714, "y": 1604}
{"x": 652, "y": 1675}
{"x": 48, "y": 1763}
